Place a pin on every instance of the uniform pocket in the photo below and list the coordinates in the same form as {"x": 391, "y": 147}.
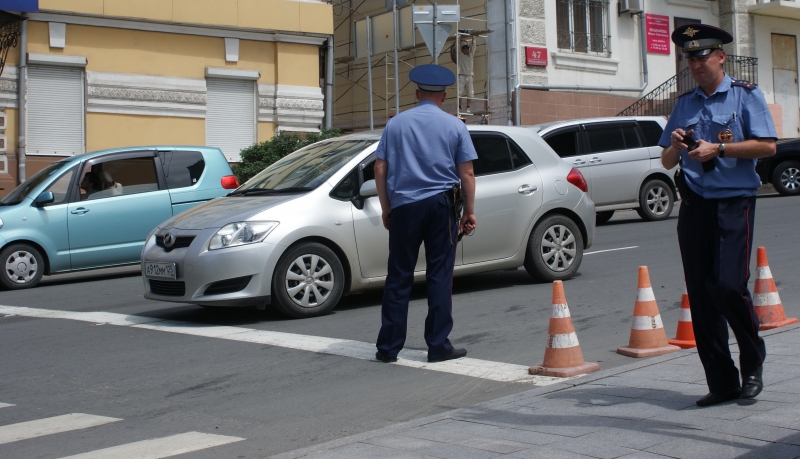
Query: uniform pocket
{"x": 725, "y": 128}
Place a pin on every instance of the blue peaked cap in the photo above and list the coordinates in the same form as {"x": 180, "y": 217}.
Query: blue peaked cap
{"x": 430, "y": 77}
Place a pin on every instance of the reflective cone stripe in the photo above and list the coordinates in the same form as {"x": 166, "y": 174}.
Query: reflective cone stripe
{"x": 766, "y": 301}
{"x": 648, "y": 337}
{"x": 684, "y": 337}
{"x": 563, "y": 356}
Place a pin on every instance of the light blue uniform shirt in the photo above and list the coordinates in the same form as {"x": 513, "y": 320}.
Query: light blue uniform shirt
{"x": 741, "y": 110}
{"x": 422, "y": 147}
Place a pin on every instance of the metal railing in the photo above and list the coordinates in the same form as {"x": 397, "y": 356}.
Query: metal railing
{"x": 661, "y": 100}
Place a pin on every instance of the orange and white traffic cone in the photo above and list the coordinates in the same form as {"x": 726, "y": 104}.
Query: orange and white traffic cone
{"x": 563, "y": 357}
{"x": 648, "y": 338}
{"x": 766, "y": 301}
{"x": 684, "y": 338}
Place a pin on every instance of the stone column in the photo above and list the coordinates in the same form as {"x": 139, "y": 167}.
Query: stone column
{"x": 734, "y": 18}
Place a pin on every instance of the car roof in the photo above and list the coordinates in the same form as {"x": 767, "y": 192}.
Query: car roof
{"x": 376, "y": 134}
{"x": 553, "y": 124}
{"x": 95, "y": 154}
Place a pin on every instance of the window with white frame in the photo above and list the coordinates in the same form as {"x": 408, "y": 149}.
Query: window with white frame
{"x": 55, "y": 111}
{"x": 582, "y": 25}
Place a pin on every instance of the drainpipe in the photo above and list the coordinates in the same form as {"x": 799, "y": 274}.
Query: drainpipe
{"x": 509, "y": 58}
{"x": 21, "y": 99}
{"x": 329, "y": 84}
{"x": 645, "y": 78}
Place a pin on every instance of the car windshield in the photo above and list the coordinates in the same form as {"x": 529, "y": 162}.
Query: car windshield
{"x": 21, "y": 192}
{"x": 306, "y": 168}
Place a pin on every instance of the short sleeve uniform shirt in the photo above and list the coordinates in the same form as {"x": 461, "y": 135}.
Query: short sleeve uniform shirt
{"x": 422, "y": 147}
{"x": 743, "y": 112}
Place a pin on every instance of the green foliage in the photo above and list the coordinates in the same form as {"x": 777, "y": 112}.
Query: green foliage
{"x": 259, "y": 156}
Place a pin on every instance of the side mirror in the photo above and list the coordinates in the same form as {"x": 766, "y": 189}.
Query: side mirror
{"x": 44, "y": 199}
{"x": 368, "y": 189}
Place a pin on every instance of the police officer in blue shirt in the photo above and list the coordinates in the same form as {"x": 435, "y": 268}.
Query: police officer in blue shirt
{"x": 422, "y": 153}
{"x": 717, "y": 131}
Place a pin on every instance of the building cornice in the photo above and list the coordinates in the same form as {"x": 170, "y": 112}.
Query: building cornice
{"x": 133, "y": 94}
{"x": 585, "y": 63}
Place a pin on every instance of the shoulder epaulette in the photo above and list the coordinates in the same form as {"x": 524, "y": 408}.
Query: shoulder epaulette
{"x": 743, "y": 84}
{"x": 687, "y": 92}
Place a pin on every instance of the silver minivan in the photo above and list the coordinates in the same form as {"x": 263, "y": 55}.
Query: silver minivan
{"x": 621, "y": 161}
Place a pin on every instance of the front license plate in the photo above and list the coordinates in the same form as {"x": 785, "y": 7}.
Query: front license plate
{"x": 162, "y": 270}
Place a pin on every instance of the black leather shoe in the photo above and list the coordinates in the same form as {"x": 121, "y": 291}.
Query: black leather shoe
{"x": 456, "y": 354}
{"x": 752, "y": 384}
{"x": 719, "y": 397}
{"x": 383, "y": 358}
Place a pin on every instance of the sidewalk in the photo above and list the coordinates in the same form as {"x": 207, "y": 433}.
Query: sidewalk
{"x": 642, "y": 410}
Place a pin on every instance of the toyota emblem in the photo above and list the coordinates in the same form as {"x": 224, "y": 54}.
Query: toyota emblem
{"x": 169, "y": 240}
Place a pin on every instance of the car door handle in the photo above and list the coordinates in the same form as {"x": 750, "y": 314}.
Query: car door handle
{"x": 579, "y": 162}
{"x": 80, "y": 211}
{"x": 595, "y": 160}
{"x": 527, "y": 189}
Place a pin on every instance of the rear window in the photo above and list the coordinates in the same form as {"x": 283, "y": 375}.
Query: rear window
{"x": 652, "y": 132}
{"x": 565, "y": 143}
{"x": 182, "y": 168}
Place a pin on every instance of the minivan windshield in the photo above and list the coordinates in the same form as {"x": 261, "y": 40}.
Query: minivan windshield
{"x": 21, "y": 192}
{"x": 304, "y": 169}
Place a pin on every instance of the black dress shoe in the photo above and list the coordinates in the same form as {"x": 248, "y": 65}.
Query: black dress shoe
{"x": 752, "y": 384}
{"x": 456, "y": 354}
{"x": 384, "y": 359}
{"x": 715, "y": 398}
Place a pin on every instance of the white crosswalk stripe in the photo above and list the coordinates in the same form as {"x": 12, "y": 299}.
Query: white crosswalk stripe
{"x": 48, "y": 426}
{"x": 484, "y": 369}
{"x": 160, "y": 447}
{"x": 3, "y": 405}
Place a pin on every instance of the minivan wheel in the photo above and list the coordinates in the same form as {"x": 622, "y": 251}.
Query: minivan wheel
{"x": 655, "y": 200}
{"x": 24, "y": 266}
{"x": 555, "y": 249}
{"x": 786, "y": 178}
{"x": 308, "y": 281}
{"x": 603, "y": 217}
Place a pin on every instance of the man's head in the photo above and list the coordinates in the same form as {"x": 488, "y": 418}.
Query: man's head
{"x": 436, "y": 97}
{"x": 432, "y": 81}
{"x": 702, "y": 47}
{"x": 465, "y": 48}
{"x": 707, "y": 70}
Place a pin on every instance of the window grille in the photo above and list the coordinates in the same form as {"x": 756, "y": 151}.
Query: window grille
{"x": 583, "y": 26}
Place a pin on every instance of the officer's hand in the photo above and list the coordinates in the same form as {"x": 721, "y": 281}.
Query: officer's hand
{"x": 676, "y": 138}
{"x": 468, "y": 224}
{"x": 705, "y": 151}
{"x": 385, "y": 218}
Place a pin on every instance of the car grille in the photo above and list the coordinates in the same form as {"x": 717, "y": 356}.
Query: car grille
{"x": 167, "y": 288}
{"x": 181, "y": 242}
{"x": 228, "y": 286}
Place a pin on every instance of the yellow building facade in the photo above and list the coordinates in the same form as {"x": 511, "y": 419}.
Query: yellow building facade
{"x": 102, "y": 74}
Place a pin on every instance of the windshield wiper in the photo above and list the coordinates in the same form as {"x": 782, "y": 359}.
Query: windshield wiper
{"x": 263, "y": 191}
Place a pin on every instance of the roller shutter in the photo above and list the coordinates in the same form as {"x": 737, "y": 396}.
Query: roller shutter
{"x": 55, "y": 111}
{"x": 231, "y": 115}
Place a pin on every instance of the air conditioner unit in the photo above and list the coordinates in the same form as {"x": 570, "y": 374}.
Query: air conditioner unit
{"x": 630, "y": 6}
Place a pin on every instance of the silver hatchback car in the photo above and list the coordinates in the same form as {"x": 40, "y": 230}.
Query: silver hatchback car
{"x": 307, "y": 230}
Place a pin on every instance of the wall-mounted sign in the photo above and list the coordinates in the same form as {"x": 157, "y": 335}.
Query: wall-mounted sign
{"x": 658, "y": 40}
{"x": 536, "y": 56}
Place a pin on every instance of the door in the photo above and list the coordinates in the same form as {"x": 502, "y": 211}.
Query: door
{"x": 618, "y": 160}
{"x": 121, "y": 201}
{"x": 684, "y": 84}
{"x": 784, "y": 74}
{"x": 508, "y": 194}
{"x": 51, "y": 222}
{"x": 566, "y": 142}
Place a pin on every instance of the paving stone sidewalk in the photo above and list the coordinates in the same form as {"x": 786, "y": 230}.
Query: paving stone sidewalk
{"x": 642, "y": 410}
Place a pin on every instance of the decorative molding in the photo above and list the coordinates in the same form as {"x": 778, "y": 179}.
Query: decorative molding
{"x": 58, "y": 34}
{"x": 57, "y": 59}
{"x": 126, "y": 93}
{"x": 266, "y": 103}
{"x": 294, "y": 108}
{"x": 8, "y": 87}
{"x": 585, "y": 63}
{"x": 237, "y": 74}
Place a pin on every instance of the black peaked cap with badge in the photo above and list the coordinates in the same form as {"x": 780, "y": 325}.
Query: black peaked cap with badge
{"x": 700, "y": 39}
{"x": 432, "y": 78}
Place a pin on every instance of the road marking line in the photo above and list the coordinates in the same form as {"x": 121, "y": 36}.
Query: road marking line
{"x": 48, "y": 426}
{"x": 160, "y": 447}
{"x": 476, "y": 368}
{"x": 612, "y": 250}
{"x": 3, "y": 405}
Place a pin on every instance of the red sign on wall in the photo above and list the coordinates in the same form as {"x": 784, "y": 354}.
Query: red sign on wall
{"x": 536, "y": 56}
{"x": 658, "y": 40}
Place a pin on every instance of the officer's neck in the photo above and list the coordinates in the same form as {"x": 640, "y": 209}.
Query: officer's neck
{"x": 711, "y": 88}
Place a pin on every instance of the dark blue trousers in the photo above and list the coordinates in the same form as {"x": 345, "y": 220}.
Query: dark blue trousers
{"x": 429, "y": 221}
{"x": 716, "y": 238}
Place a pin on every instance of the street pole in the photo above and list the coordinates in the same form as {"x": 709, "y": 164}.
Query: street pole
{"x": 369, "y": 71}
{"x": 435, "y": 23}
{"x": 396, "y": 79}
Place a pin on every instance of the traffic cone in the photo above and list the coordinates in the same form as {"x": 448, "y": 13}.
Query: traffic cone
{"x": 563, "y": 357}
{"x": 766, "y": 301}
{"x": 684, "y": 338}
{"x": 648, "y": 338}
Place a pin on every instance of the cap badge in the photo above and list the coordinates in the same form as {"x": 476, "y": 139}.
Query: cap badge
{"x": 690, "y": 31}
{"x": 725, "y": 136}
{"x": 693, "y": 44}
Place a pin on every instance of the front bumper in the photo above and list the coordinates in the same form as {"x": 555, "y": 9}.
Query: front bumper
{"x": 235, "y": 276}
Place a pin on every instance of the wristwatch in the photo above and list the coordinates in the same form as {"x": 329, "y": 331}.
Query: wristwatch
{"x": 721, "y": 150}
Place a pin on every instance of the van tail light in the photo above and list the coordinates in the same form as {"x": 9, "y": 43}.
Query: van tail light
{"x": 229, "y": 182}
{"x": 576, "y": 178}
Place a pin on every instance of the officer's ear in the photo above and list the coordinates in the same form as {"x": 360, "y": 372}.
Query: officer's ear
{"x": 444, "y": 96}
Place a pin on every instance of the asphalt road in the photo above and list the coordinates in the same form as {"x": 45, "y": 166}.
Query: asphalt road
{"x": 157, "y": 384}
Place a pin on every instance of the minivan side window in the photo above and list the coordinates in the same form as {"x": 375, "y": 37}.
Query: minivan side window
{"x": 652, "y": 132}
{"x": 494, "y": 155}
{"x": 182, "y": 168}
{"x": 605, "y": 137}
{"x": 60, "y": 187}
{"x": 563, "y": 142}
{"x": 119, "y": 177}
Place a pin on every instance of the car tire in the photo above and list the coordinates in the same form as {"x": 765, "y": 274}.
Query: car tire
{"x": 555, "y": 249}
{"x": 24, "y": 266}
{"x": 315, "y": 285}
{"x": 786, "y": 178}
{"x": 603, "y": 217}
{"x": 655, "y": 200}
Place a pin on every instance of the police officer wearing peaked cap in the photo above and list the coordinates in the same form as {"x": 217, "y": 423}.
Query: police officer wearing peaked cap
{"x": 422, "y": 154}
{"x": 732, "y": 127}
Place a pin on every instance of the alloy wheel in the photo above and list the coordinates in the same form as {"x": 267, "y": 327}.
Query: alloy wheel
{"x": 309, "y": 280}
{"x": 657, "y": 200}
{"x": 790, "y": 178}
{"x": 558, "y": 248}
{"x": 21, "y": 267}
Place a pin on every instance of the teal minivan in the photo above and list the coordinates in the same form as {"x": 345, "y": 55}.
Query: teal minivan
{"x": 95, "y": 210}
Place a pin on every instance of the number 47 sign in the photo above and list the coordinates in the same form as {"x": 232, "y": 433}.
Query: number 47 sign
{"x": 536, "y": 56}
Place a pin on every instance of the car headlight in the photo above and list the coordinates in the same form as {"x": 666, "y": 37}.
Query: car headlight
{"x": 240, "y": 233}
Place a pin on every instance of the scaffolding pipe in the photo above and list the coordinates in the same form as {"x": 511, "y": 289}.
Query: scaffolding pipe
{"x": 329, "y": 84}
{"x": 369, "y": 72}
{"x": 645, "y": 78}
{"x": 509, "y": 51}
{"x": 396, "y": 80}
{"x": 21, "y": 99}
